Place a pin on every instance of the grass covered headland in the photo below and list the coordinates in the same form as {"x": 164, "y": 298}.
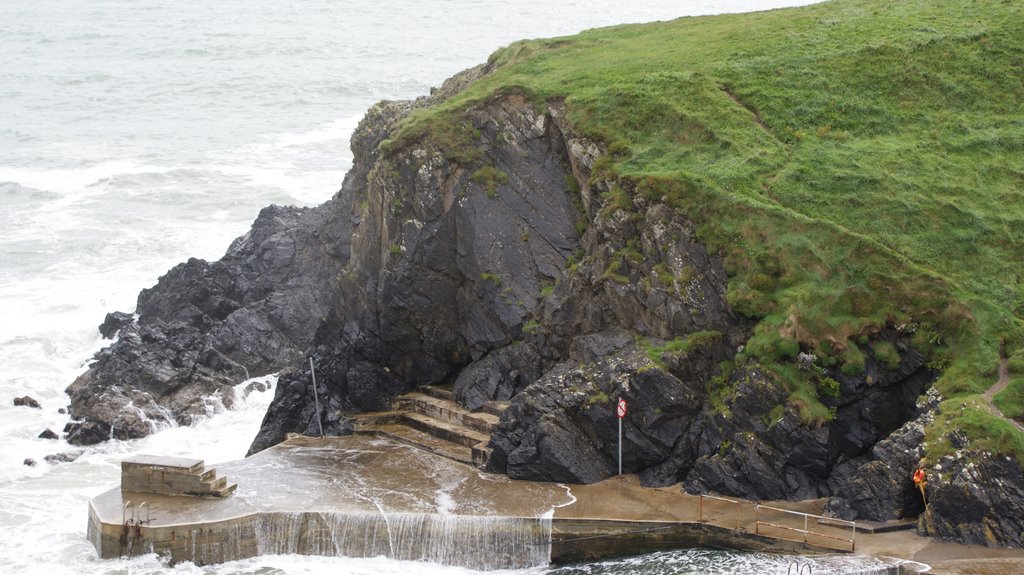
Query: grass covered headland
{"x": 858, "y": 163}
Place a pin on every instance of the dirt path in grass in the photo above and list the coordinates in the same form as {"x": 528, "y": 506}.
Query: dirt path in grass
{"x": 1001, "y": 382}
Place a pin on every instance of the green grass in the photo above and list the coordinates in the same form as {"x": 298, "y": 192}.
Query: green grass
{"x": 490, "y": 178}
{"x": 1011, "y": 400}
{"x": 680, "y": 347}
{"x": 492, "y": 278}
{"x": 985, "y": 430}
{"x": 858, "y": 163}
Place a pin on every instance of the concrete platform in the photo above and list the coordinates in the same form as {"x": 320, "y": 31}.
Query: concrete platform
{"x": 298, "y": 496}
{"x": 368, "y": 496}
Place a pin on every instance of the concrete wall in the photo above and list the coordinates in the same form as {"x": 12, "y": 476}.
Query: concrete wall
{"x": 575, "y": 540}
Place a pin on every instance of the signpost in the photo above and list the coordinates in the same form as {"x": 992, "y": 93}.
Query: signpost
{"x": 620, "y": 410}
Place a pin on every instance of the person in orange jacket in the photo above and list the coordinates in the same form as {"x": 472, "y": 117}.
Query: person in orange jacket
{"x": 920, "y": 482}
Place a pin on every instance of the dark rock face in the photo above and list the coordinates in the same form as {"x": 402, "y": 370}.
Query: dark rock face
{"x": 564, "y": 425}
{"x": 445, "y": 271}
{"x": 781, "y": 457}
{"x": 878, "y": 485}
{"x": 753, "y": 444}
{"x": 499, "y": 375}
{"x": 26, "y": 401}
{"x": 114, "y": 322}
{"x": 48, "y": 434}
{"x": 29, "y": 462}
{"x": 979, "y": 498}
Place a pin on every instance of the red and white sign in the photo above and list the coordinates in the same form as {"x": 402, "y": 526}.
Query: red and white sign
{"x": 620, "y": 410}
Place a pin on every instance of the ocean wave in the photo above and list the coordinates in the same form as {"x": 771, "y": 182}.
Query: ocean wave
{"x": 71, "y": 180}
{"x": 340, "y": 129}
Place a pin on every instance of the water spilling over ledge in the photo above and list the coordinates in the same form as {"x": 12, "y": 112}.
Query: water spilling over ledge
{"x": 476, "y": 542}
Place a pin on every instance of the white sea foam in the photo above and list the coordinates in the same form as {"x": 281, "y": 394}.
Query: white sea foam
{"x": 74, "y": 182}
{"x": 333, "y": 131}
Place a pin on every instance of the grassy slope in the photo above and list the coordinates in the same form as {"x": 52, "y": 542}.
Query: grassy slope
{"x": 859, "y": 162}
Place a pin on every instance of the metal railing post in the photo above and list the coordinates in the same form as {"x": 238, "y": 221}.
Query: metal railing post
{"x": 316, "y": 398}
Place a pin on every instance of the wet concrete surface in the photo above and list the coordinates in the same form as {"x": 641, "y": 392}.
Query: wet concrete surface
{"x": 367, "y": 475}
{"x": 353, "y": 475}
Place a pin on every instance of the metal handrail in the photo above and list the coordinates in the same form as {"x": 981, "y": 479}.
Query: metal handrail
{"x": 733, "y": 501}
{"x": 806, "y": 530}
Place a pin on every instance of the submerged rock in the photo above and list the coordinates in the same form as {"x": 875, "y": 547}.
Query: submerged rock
{"x": 26, "y": 401}
{"x": 65, "y": 457}
{"x": 29, "y": 462}
{"x": 254, "y": 386}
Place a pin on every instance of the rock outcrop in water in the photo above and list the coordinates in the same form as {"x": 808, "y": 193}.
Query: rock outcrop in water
{"x": 502, "y": 266}
{"x": 206, "y": 326}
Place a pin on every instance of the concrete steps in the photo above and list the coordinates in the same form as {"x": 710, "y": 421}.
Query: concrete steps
{"x": 447, "y": 411}
{"x": 416, "y": 438}
{"x": 172, "y": 476}
{"x": 453, "y": 432}
{"x": 431, "y": 420}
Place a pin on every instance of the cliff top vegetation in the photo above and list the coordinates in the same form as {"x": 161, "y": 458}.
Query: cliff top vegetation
{"x": 858, "y": 163}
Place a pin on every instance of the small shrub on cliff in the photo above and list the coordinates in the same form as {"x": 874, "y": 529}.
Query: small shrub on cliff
{"x": 828, "y": 387}
{"x": 853, "y": 359}
{"x": 886, "y": 353}
{"x": 770, "y": 347}
{"x": 680, "y": 346}
{"x": 492, "y": 278}
{"x": 490, "y": 178}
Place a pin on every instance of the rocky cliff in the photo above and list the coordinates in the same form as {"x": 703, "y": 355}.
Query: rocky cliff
{"x": 491, "y": 255}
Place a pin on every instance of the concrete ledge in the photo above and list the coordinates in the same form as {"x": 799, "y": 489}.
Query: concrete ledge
{"x": 202, "y": 543}
{"x": 180, "y": 464}
{"x": 576, "y": 540}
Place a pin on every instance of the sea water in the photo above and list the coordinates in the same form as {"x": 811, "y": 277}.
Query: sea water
{"x": 137, "y": 133}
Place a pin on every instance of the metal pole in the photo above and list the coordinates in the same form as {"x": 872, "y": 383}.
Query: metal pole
{"x": 316, "y": 398}
{"x": 620, "y": 446}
